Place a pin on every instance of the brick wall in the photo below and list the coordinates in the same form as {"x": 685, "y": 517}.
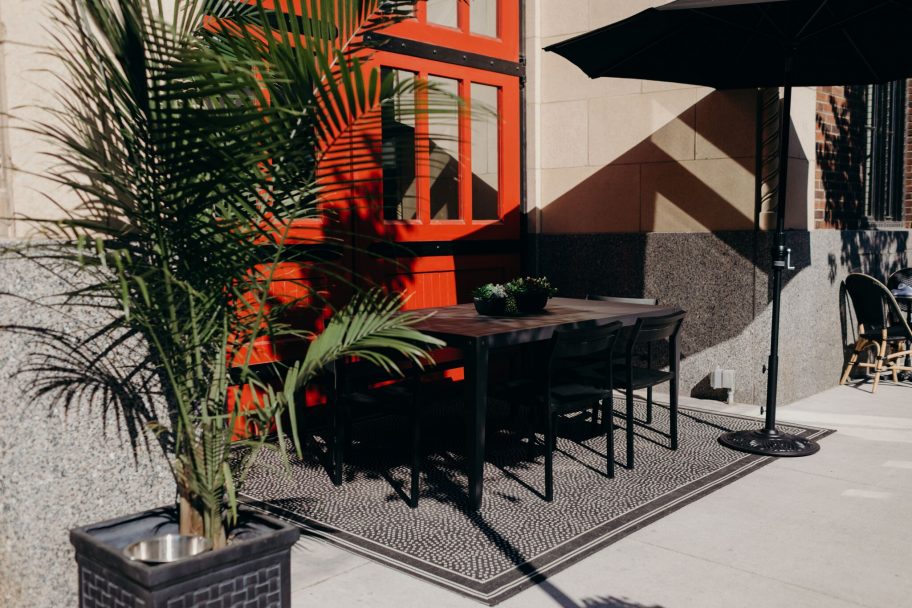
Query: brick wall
{"x": 840, "y": 175}
{"x": 907, "y": 196}
{"x": 839, "y": 181}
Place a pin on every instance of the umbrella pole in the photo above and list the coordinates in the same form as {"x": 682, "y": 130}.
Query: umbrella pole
{"x": 768, "y": 441}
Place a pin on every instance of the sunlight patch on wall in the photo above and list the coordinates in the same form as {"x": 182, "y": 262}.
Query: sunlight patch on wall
{"x": 696, "y": 196}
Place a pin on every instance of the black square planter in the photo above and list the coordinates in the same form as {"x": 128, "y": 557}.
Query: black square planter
{"x": 252, "y": 571}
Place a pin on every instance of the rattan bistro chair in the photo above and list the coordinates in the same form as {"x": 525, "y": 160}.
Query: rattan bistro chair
{"x": 881, "y": 325}
{"x": 903, "y": 276}
{"x": 630, "y": 376}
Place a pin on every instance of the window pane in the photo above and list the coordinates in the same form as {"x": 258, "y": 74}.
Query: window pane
{"x": 443, "y": 150}
{"x": 400, "y": 195}
{"x": 485, "y": 152}
{"x": 483, "y": 17}
{"x": 442, "y": 12}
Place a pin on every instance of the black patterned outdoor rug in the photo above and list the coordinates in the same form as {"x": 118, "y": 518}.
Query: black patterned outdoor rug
{"x": 516, "y": 539}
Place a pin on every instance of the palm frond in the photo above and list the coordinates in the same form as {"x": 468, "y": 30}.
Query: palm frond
{"x": 194, "y": 142}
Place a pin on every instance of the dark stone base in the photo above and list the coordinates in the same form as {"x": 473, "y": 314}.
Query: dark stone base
{"x": 722, "y": 280}
{"x": 253, "y": 571}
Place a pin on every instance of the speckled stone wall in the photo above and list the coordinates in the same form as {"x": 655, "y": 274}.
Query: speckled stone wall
{"x": 721, "y": 279}
{"x": 56, "y": 471}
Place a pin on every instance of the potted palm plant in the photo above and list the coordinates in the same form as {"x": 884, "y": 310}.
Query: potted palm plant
{"x": 195, "y": 142}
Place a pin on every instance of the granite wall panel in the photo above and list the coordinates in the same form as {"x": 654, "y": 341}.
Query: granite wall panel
{"x": 722, "y": 280}
{"x": 58, "y": 470}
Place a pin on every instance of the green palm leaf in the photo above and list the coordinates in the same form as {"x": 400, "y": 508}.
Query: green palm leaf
{"x": 194, "y": 142}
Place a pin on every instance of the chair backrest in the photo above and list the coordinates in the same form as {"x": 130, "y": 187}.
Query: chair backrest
{"x": 600, "y": 298}
{"x": 572, "y": 343}
{"x": 873, "y": 303}
{"x": 903, "y": 276}
{"x": 652, "y": 329}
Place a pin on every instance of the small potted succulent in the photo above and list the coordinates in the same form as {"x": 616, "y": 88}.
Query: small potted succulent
{"x": 531, "y": 293}
{"x": 522, "y": 295}
{"x": 491, "y": 299}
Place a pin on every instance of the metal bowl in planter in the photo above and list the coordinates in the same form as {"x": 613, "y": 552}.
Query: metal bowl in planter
{"x": 167, "y": 548}
{"x": 490, "y": 307}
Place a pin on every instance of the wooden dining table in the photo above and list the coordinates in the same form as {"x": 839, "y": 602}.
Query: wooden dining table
{"x": 476, "y": 335}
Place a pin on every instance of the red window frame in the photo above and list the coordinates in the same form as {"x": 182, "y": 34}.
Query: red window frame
{"x": 465, "y": 227}
{"x": 504, "y": 46}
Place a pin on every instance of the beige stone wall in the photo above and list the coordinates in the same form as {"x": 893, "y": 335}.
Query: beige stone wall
{"x": 619, "y": 155}
{"x": 25, "y": 87}
{"x": 28, "y": 84}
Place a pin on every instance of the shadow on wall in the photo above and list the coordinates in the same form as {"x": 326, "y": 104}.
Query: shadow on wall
{"x": 841, "y": 159}
{"x": 618, "y": 231}
{"x": 841, "y": 156}
{"x": 662, "y": 183}
{"x": 876, "y": 253}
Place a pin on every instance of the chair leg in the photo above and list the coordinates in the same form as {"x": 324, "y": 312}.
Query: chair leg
{"x": 648, "y": 405}
{"x": 673, "y": 412}
{"x": 878, "y": 365}
{"x": 549, "y": 457}
{"x": 629, "y": 428}
{"x": 595, "y": 412}
{"x": 340, "y": 438}
{"x": 609, "y": 436}
{"x": 607, "y": 403}
{"x": 859, "y": 346}
{"x": 530, "y": 432}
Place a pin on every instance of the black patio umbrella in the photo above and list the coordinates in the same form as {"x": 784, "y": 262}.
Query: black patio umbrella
{"x": 729, "y": 44}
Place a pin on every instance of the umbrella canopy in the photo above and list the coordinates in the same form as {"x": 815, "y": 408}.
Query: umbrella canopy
{"x": 729, "y": 44}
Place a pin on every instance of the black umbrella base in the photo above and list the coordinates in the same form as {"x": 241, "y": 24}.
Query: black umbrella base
{"x": 769, "y": 443}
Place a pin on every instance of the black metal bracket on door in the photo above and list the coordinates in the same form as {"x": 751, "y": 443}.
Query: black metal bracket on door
{"x": 302, "y": 252}
{"x": 404, "y": 46}
{"x": 437, "y": 248}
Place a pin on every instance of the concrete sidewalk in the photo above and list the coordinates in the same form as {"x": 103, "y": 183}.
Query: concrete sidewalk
{"x": 831, "y": 530}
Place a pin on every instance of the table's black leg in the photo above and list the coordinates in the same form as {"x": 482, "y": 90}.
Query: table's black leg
{"x": 908, "y": 361}
{"x": 476, "y": 397}
{"x": 675, "y": 365}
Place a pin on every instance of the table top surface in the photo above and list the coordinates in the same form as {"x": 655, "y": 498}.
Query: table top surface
{"x": 462, "y": 321}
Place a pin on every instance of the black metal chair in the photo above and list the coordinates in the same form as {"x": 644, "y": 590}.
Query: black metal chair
{"x": 881, "y": 325}
{"x": 568, "y": 382}
{"x": 601, "y": 298}
{"x": 631, "y": 377}
{"x": 363, "y": 387}
{"x": 621, "y": 344}
{"x": 565, "y": 392}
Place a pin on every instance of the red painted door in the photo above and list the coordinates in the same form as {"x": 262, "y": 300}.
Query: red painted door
{"x": 443, "y": 215}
